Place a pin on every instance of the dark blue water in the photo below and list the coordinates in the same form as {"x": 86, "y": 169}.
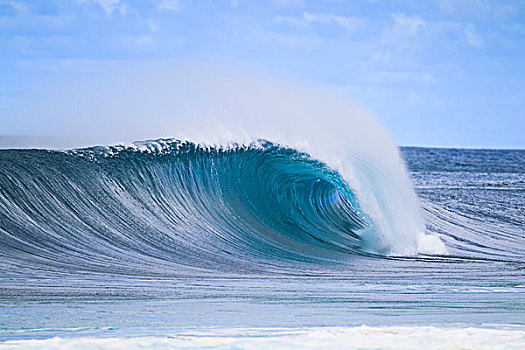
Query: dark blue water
{"x": 187, "y": 240}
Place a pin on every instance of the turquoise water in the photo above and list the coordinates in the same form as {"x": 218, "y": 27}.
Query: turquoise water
{"x": 254, "y": 246}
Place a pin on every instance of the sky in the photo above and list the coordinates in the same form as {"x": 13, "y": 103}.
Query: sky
{"x": 436, "y": 73}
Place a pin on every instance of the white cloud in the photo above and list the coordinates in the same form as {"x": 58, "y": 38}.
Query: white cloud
{"x": 401, "y": 34}
{"x": 409, "y": 25}
{"x": 382, "y": 56}
{"x": 234, "y": 3}
{"x": 423, "y": 78}
{"x": 307, "y": 19}
{"x": 473, "y": 39}
{"x": 414, "y": 99}
{"x": 27, "y": 20}
{"x": 344, "y": 22}
{"x": 287, "y": 3}
{"x": 169, "y": 5}
{"x": 139, "y": 42}
{"x": 18, "y": 6}
{"x": 123, "y": 9}
{"x": 446, "y": 5}
{"x": 153, "y": 25}
{"x": 109, "y": 5}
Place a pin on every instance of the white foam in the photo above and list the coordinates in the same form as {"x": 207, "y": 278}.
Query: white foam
{"x": 431, "y": 244}
{"x": 363, "y": 337}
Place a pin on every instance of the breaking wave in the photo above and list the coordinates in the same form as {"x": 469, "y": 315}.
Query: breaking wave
{"x": 170, "y": 206}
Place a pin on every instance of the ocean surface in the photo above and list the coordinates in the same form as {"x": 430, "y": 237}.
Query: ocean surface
{"x": 167, "y": 243}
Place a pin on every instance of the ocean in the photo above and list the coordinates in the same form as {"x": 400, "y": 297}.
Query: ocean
{"x": 173, "y": 244}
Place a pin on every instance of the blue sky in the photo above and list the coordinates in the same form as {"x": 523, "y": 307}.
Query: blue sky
{"x": 437, "y": 73}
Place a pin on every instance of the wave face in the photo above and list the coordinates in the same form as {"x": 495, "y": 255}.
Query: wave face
{"x": 473, "y": 199}
{"x": 165, "y": 205}
{"x": 171, "y": 207}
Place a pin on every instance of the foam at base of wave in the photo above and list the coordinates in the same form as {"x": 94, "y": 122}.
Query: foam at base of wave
{"x": 362, "y": 337}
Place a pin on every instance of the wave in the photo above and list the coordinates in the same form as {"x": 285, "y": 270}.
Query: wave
{"x": 169, "y": 205}
{"x": 473, "y": 237}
